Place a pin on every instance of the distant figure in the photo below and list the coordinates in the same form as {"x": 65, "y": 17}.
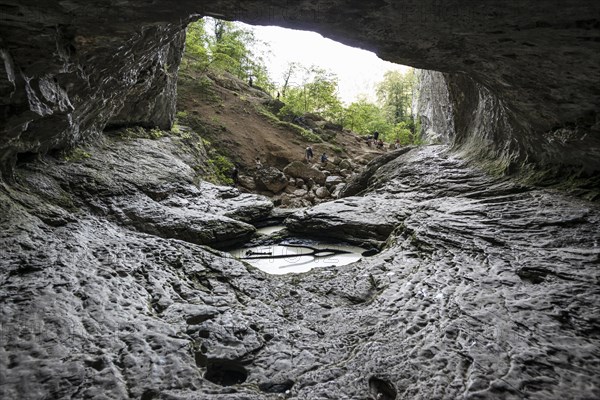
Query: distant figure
{"x": 258, "y": 163}
{"x": 308, "y": 153}
{"x": 324, "y": 158}
{"x": 397, "y": 144}
{"x": 277, "y": 95}
{"x": 235, "y": 174}
{"x": 375, "y": 136}
{"x": 250, "y": 81}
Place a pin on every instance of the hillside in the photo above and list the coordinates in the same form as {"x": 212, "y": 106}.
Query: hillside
{"x": 238, "y": 121}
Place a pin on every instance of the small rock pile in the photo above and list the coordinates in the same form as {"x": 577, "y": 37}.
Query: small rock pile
{"x": 301, "y": 184}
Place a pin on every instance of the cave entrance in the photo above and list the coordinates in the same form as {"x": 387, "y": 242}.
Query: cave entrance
{"x": 267, "y": 93}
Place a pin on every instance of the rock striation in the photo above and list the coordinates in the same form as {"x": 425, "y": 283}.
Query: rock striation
{"x": 483, "y": 289}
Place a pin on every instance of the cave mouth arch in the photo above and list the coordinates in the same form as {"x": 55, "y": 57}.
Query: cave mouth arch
{"x": 532, "y": 68}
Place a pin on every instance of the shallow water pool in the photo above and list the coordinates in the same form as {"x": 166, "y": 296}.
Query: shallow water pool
{"x": 269, "y": 230}
{"x": 284, "y": 258}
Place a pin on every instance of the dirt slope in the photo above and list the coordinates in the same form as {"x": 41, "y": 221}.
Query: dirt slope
{"x": 234, "y": 118}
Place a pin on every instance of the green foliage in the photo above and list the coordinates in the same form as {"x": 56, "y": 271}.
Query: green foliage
{"x": 418, "y": 128}
{"x": 395, "y": 95}
{"x": 316, "y": 94}
{"x": 305, "y": 133}
{"x": 404, "y": 132}
{"x": 365, "y": 118}
{"x": 76, "y": 154}
{"x": 196, "y": 47}
{"x": 201, "y": 88}
{"x": 137, "y": 132}
{"x": 225, "y": 46}
{"x": 392, "y": 117}
{"x": 337, "y": 149}
{"x": 176, "y": 129}
{"x": 155, "y": 133}
{"x": 222, "y": 168}
{"x": 133, "y": 133}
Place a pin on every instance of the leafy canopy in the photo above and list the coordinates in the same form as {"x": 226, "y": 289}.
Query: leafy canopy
{"x": 225, "y": 46}
{"x": 317, "y": 93}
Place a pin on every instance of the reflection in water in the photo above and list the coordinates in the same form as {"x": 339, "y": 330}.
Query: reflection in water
{"x": 285, "y": 259}
{"x": 269, "y": 230}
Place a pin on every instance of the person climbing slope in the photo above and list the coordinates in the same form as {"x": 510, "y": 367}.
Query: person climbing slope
{"x": 308, "y": 153}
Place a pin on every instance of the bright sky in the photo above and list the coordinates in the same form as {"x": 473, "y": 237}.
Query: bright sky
{"x": 358, "y": 70}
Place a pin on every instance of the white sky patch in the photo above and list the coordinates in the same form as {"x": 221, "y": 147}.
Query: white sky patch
{"x": 358, "y": 70}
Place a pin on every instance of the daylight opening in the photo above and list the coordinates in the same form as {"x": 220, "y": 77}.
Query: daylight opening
{"x": 264, "y": 94}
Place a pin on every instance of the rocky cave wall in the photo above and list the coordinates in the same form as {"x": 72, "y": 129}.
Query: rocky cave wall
{"x": 523, "y": 77}
{"x": 432, "y": 107}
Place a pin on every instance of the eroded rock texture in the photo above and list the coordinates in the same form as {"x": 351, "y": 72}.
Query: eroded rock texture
{"x": 432, "y": 107}
{"x": 523, "y": 76}
{"x": 485, "y": 289}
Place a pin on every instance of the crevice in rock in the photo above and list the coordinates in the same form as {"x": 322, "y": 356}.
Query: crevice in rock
{"x": 276, "y": 387}
{"x": 225, "y": 372}
{"x": 382, "y": 389}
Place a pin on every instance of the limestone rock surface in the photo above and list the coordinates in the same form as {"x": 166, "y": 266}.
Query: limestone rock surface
{"x": 299, "y": 169}
{"x": 484, "y": 289}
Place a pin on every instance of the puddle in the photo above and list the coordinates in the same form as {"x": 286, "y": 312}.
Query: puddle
{"x": 281, "y": 259}
{"x": 269, "y": 230}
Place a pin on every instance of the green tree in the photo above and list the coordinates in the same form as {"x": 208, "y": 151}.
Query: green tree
{"x": 288, "y": 76}
{"x": 317, "y": 92}
{"x": 395, "y": 95}
{"x": 196, "y": 47}
{"x": 364, "y": 117}
{"x": 229, "y": 48}
{"x": 226, "y": 46}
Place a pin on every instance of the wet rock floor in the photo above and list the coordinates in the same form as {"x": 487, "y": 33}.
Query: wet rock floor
{"x": 484, "y": 289}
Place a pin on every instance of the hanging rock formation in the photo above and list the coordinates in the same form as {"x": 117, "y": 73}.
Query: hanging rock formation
{"x": 523, "y": 77}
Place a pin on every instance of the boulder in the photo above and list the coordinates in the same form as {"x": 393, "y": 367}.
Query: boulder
{"x": 247, "y": 182}
{"x": 294, "y": 202}
{"x": 290, "y": 189}
{"x": 346, "y": 164}
{"x": 271, "y": 179}
{"x": 322, "y": 192}
{"x": 333, "y": 127}
{"x": 273, "y": 105}
{"x": 300, "y": 192}
{"x": 284, "y": 200}
{"x": 298, "y": 169}
{"x": 333, "y": 180}
{"x": 352, "y": 219}
{"x": 335, "y": 193}
{"x": 329, "y": 166}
